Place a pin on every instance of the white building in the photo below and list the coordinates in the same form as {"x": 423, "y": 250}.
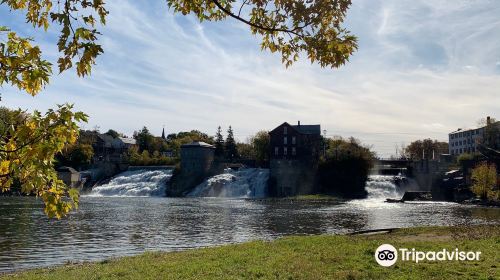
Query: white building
{"x": 466, "y": 140}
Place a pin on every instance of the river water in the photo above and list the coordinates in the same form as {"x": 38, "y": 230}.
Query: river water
{"x": 112, "y": 226}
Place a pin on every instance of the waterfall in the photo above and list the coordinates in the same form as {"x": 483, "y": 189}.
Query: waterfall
{"x": 245, "y": 182}
{"x": 135, "y": 183}
{"x": 383, "y": 186}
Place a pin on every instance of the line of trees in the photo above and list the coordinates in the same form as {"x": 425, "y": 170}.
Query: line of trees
{"x": 154, "y": 150}
{"x": 228, "y": 148}
{"x": 256, "y": 148}
{"x": 424, "y": 149}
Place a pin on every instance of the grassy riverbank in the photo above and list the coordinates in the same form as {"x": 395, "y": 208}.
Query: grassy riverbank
{"x": 302, "y": 257}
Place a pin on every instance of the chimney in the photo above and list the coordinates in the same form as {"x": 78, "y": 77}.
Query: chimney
{"x": 299, "y": 122}
{"x": 488, "y": 120}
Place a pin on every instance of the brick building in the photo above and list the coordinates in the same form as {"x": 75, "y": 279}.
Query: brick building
{"x": 295, "y": 141}
{"x": 295, "y": 151}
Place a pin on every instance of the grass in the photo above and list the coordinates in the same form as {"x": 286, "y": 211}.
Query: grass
{"x": 302, "y": 257}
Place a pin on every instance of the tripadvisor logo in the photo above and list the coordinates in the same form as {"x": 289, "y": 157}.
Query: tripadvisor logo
{"x": 387, "y": 255}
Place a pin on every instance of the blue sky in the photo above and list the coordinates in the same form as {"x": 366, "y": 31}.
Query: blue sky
{"x": 423, "y": 69}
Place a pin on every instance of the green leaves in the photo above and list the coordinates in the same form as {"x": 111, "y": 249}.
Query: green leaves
{"x": 29, "y": 142}
{"x": 28, "y": 145}
{"x": 290, "y": 27}
{"x": 21, "y": 64}
{"x": 24, "y": 67}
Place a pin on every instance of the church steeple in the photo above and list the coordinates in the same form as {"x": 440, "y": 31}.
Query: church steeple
{"x": 163, "y": 133}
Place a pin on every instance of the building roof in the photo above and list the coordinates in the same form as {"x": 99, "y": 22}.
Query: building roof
{"x": 130, "y": 141}
{"x": 313, "y": 129}
{"x": 66, "y": 169}
{"x": 197, "y": 144}
{"x": 497, "y": 123}
{"x": 308, "y": 129}
{"x": 107, "y": 139}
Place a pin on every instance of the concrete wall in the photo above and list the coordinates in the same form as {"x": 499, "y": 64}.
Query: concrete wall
{"x": 70, "y": 179}
{"x": 150, "y": 167}
{"x": 292, "y": 177}
{"x": 428, "y": 172}
{"x": 197, "y": 160}
{"x": 197, "y": 163}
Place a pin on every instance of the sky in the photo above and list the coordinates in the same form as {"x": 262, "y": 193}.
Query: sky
{"x": 423, "y": 69}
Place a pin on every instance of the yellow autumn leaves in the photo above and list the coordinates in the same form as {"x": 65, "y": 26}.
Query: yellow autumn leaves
{"x": 28, "y": 145}
{"x": 485, "y": 181}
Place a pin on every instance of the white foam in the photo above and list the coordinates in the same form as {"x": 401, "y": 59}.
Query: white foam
{"x": 135, "y": 183}
{"x": 245, "y": 182}
{"x": 382, "y": 186}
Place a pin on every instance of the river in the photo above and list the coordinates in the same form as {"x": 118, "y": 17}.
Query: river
{"x": 113, "y": 226}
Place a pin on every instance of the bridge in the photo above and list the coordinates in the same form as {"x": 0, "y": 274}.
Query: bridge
{"x": 401, "y": 163}
{"x": 391, "y": 166}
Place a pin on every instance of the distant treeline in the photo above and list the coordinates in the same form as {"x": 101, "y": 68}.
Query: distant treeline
{"x": 153, "y": 150}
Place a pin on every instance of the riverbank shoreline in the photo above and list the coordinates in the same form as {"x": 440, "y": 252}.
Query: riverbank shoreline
{"x": 308, "y": 197}
{"x": 300, "y": 257}
{"x": 482, "y": 203}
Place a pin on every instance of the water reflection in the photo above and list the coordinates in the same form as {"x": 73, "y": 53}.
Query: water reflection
{"x": 104, "y": 227}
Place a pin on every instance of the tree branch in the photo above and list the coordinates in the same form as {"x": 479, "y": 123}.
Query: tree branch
{"x": 229, "y": 13}
{"x": 244, "y": 3}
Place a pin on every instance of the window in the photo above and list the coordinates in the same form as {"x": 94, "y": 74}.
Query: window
{"x": 293, "y": 140}
{"x": 285, "y": 130}
{"x": 294, "y": 151}
{"x": 285, "y": 140}
{"x": 276, "y": 151}
{"x": 285, "y": 151}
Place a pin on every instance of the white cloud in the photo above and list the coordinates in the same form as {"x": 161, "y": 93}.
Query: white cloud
{"x": 408, "y": 80}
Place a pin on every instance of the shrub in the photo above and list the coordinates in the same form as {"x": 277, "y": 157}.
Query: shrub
{"x": 345, "y": 168}
{"x": 484, "y": 177}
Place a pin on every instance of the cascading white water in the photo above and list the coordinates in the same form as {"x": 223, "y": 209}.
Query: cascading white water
{"x": 382, "y": 187}
{"x": 245, "y": 182}
{"x": 135, "y": 183}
